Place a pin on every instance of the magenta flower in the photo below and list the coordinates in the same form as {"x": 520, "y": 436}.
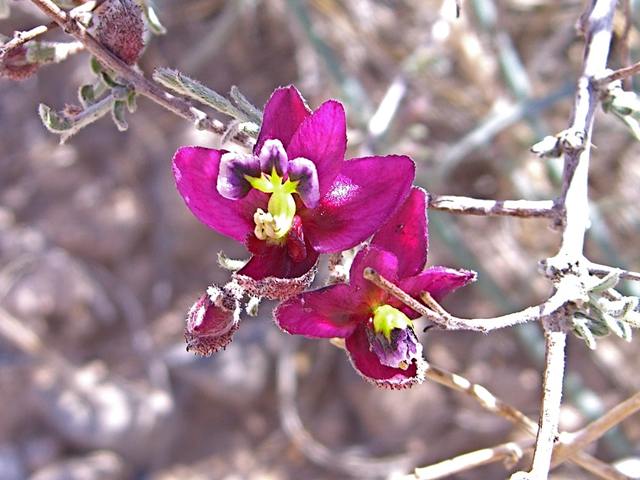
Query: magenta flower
{"x": 295, "y": 197}
{"x": 377, "y": 328}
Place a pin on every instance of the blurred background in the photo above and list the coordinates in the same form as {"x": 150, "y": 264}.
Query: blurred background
{"x": 100, "y": 259}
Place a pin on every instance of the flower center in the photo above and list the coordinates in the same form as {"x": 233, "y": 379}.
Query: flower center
{"x": 277, "y": 221}
{"x": 270, "y": 172}
{"x": 386, "y": 318}
{"x": 393, "y": 339}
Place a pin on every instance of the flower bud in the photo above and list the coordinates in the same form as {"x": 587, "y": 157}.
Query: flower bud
{"x": 16, "y": 66}
{"x": 212, "y": 321}
{"x": 120, "y": 28}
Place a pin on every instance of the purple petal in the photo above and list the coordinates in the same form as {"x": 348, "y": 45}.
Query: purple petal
{"x": 365, "y": 194}
{"x": 196, "y": 171}
{"x": 304, "y": 171}
{"x": 368, "y": 365}
{"x": 234, "y": 167}
{"x": 283, "y": 114}
{"x": 438, "y": 281}
{"x": 272, "y": 155}
{"x": 322, "y": 138}
{"x": 405, "y": 234}
{"x": 383, "y": 262}
{"x": 402, "y": 349}
{"x": 328, "y": 312}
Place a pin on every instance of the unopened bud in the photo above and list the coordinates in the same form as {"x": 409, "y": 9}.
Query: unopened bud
{"x": 212, "y": 321}
{"x": 120, "y": 28}
{"x": 15, "y": 65}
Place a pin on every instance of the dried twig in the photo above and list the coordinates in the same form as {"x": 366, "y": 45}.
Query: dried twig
{"x": 495, "y": 405}
{"x": 432, "y": 311}
{"x": 139, "y": 83}
{"x": 576, "y": 143}
{"x": 511, "y": 208}
{"x": 509, "y": 452}
{"x": 604, "y": 270}
{"x": 574, "y": 442}
{"x": 620, "y": 74}
{"x": 20, "y": 38}
{"x": 551, "y": 400}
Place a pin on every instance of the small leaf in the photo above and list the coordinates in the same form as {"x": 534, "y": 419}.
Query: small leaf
{"x": 245, "y": 105}
{"x": 605, "y": 283}
{"x": 96, "y": 66}
{"x": 117, "y": 113}
{"x": 86, "y": 95}
{"x": 627, "y": 332}
{"x": 185, "y": 85}
{"x": 633, "y": 319}
{"x": 613, "y": 325}
{"x": 152, "y": 18}
{"x": 581, "y": 330}
{"x": 54, "y": 122}
{"x": 252, "y": 306}
{"x": 229, "y": 263}
{"x": 110, "y": 82}
{"x": 249, "y": 128}
{"x": 131, "y": 102}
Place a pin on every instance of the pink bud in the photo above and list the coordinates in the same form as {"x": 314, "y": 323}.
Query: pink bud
{"x": 15, "y": 66}
{"x": 120, "y": 28}
{"x": 212, "y": 321}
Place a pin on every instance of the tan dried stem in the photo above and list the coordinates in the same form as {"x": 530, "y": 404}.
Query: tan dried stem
{"x": 551, "y": 396}
{"x": 619, "y": 74}
{"x": 571, "y": 443}
{"x": 493, "y": 404}
{"x": 20, "y": 38}
{"x": 510, "y": 453}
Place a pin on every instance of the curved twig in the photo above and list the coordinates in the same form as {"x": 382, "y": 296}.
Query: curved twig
{"x": 139, "y": 83}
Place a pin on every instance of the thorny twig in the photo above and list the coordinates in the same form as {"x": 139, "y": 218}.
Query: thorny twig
{"x": 511, "y": 208}
{"x": 433, "y": 312}
{"x": 598, "y": 26}
{"x": 567, "y": 269}
{"x": 139, "y": 83}
{"x": 551, "y": 399}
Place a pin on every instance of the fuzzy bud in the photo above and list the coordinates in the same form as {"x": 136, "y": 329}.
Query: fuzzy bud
{"x": 212, "y": 321}
{"x": 120, "y": 28}
{"x": 15, "y": 65}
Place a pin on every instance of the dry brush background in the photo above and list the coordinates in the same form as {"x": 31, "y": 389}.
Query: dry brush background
{"x": 100, "y": 259}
